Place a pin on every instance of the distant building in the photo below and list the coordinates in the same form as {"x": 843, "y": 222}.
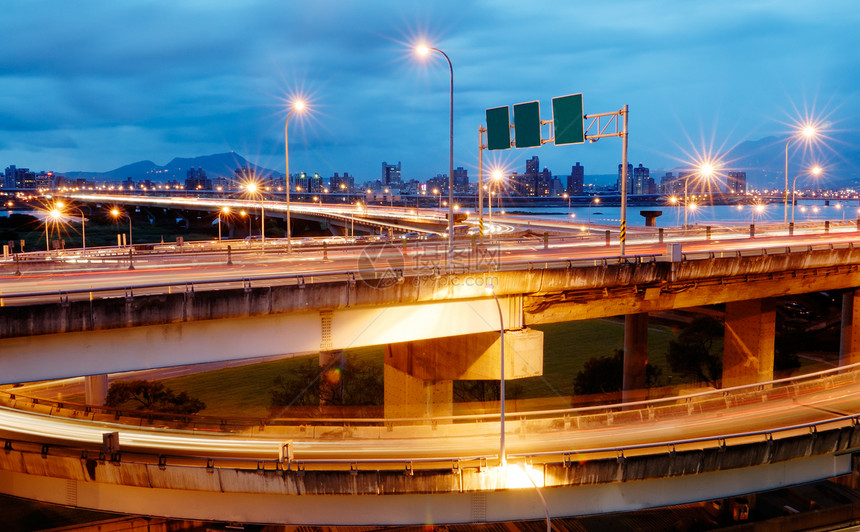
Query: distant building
{"x": 736, "y": 183}
{"x": 45, "y": 180}
{"x": 20, "y": 178}
{"x": 341, "y": 183}
{"x": 642, "y": 182}
{"x": 196, "y": 180}
{"x": 527, "y": 184}
{"x": 391, "y": 174}
{"x": 461, "y": 180}
{"x": 315, "y": 184}
{"x": 576, "y": 180}
{"x": 629, "y": 177}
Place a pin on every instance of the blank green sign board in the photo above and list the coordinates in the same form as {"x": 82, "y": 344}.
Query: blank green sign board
{"x": 527, "y": 125}
{"x": 498, "y": 128}
{"x": 567, "y": 119}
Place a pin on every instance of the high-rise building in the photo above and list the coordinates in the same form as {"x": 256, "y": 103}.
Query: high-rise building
{"x": 527, "y": 184}
{"x": 461, "y": 180}
{"x": 629, "y": 178}
{"x": 576, "y": 180}
{"x": 391, "y": 174}
{"x": 543, "y": 184}
{"x": 736, "y": 183}
{"x": 20, "y": 178}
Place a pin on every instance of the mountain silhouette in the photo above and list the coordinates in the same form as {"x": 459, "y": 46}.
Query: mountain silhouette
{"x": 217, "y": 165}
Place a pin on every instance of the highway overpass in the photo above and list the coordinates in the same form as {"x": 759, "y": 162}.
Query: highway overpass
{"x": 168, "y": 315}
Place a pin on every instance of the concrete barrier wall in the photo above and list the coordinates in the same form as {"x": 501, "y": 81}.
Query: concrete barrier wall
{"x": 803, "y": 271}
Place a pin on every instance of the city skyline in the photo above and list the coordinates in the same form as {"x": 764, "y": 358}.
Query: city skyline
{"x": 93, "y": 93}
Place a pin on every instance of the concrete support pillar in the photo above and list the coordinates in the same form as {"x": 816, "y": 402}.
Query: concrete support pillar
{"x": 410, "y": 397}
{"x": 96, "y": 388}
{"x": 635, "y": 381}
{"x": 849, "y": 337}
{"x": 419, "y": 375}
{"x": 749, "y": 341}
{"x": 330, "y": 383}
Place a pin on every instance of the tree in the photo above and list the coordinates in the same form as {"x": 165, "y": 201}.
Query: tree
{"x": 355, "y": 382}
{"x": 695, "y": 354}
{"x": 151, "y": 395}
{"x": 606, "y": 375}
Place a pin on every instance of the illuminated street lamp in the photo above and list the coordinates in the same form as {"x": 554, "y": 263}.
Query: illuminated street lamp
{"x": 62, "y": 205}
{"x": 298, "y": 105}
{"x": 424, "y": 50}
{"x": 53, "y": 215}
{"x": 502, "y": 455}
{"x": 436, "y": 191}
{"x": 252, "y": 189}
{"x": 706, "y": 170}
{"x": 116, "y": 213}
{"x": 808, "y": 132}
{"x": 567, "y": 197}
{"x": 225, "y": 211}
{"x": 816, "y": 171}
{"x": 595, "y": 203}
{"x": 497, "y": 179}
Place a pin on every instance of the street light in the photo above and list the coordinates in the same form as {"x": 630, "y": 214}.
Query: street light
{"x": 224, "y": 211}
{"x": 62, "y": 205}
{"x": 252, "y": 189}
{"x": 705, "y": 171}
{"x": 116, "y": 213}
{"x": 497, "y": 179}
{"x": 423, "y": 50}
{"x": 816, "y": 171}
{"x": 53, "y": 215}
{"x": 502, "y": 455}
{"x": 567, "y": 197}
{"x": 298, "y": 105}
{"x": 808, "y": 132}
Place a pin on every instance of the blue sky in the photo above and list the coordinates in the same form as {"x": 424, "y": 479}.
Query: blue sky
{"x": 96, "y": 84}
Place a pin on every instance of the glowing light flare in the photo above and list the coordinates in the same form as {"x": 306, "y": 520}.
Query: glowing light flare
{"x": 422, "y": 50}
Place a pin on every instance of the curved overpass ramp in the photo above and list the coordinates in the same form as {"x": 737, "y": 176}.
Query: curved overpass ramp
{"x": 386, "y": 472}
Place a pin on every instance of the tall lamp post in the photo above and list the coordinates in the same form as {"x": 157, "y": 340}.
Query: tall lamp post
{"x": 808, "y": 132}
{"x": 423, "y": 51}
{"x": 252, "y": 189}
{"x": 225, "y": 210}
{"x": 62, "y": 205}
{"x": 497, "y": 179}
{"x": 116, "y": 213}
{"x": 816, "y": 171}
{"x": 52, "y": 216}
{"x": 298, "y": 105}
{"x": 706, "y": 170}
{"x": 502, "y": 455}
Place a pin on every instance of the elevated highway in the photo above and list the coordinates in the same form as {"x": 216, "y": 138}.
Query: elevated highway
{"x": 386, "y": 472}
{"x": 757, "y": 435}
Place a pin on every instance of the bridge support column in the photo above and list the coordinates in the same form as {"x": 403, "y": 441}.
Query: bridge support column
{"x": 635, "y": 379}
{"x": 849, "y": 337}
{"x": 95, "y": 389}
{"x": 749, "y": 341}
{"x": 408, "y": 396}
{"x": 419, "y": 375}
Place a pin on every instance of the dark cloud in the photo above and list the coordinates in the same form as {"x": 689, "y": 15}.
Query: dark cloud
{"x": 123, "y": 81}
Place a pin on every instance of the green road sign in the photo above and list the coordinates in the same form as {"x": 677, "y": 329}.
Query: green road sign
{"x": 567, "y": 119}
{"x": 527, "y": 125}
{"x": 498, "y": 128}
